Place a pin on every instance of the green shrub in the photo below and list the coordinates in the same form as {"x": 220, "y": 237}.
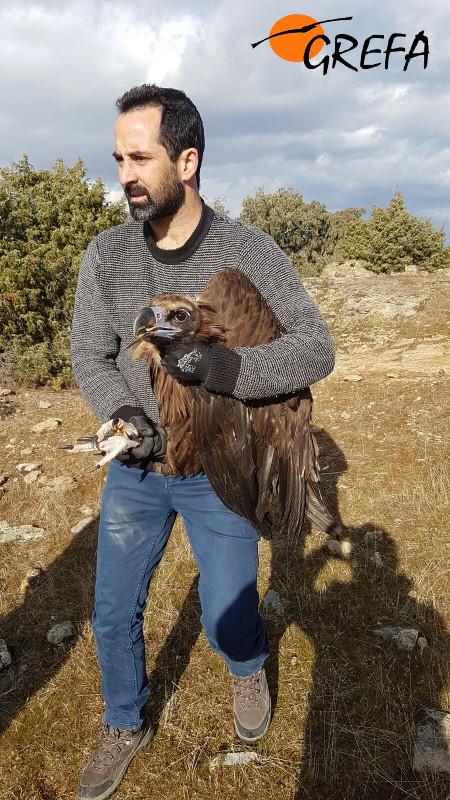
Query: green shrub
{"x": 392, "y": 238}
{"x": 47, "y": 219}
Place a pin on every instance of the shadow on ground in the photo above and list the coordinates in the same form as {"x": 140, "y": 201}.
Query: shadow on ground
{"x": 366, "y": 695}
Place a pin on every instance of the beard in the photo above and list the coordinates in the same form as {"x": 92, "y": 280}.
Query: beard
{"x": 171, "y": 198}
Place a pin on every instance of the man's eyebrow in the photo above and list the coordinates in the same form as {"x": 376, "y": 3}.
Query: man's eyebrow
{"x": 134, "y": 154}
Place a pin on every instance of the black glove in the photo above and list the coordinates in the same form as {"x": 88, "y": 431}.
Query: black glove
{"x": 154, "y": 439}
{"x": 187, "y": 361}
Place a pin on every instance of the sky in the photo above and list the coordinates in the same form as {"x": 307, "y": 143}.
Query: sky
{"x": 346, "y": 139}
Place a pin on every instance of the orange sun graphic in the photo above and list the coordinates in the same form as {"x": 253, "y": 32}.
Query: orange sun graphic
{"x": 291, "y": 46}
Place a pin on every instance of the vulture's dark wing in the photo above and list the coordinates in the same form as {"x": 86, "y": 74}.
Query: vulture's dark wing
{"x": 259, "y": 455}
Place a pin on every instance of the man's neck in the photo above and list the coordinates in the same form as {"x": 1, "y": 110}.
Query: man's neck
{"x": 171, "y": 233}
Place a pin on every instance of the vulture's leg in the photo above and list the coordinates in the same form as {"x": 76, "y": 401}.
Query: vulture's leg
{"x": 110, "y": 439}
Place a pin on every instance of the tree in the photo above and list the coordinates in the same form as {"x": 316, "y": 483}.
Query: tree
{"x": 392, "y": 238}
{"x": 307, "y": 232}
{"x": 47, "y": 219}
{"x": 218, "y": 205}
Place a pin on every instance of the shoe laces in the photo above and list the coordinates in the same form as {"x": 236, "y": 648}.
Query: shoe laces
{"x": 110, "y": 747}
{"x": 247, "y": 688}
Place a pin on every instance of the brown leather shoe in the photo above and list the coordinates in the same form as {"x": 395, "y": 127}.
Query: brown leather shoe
{"x": 252, "y": 706}
{"x": 106, "y": 768}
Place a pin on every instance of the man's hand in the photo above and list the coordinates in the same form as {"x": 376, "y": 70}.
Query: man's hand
{"x": 186, "y": 361}
{"x": 154, "y": 439}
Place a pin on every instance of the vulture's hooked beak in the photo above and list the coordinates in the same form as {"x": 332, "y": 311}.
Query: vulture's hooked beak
{"x": 151, "y": 321}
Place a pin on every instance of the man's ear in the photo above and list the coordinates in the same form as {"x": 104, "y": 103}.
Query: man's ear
{"x": 189, "y": 162}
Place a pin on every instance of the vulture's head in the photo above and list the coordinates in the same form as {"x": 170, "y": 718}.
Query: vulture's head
{"x": 173, "y": 317}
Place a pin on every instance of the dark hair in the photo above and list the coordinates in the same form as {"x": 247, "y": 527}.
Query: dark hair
{"x": 181, "y": 124}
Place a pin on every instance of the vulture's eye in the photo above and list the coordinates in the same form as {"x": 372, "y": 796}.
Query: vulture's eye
{"x": 182, "y": 315}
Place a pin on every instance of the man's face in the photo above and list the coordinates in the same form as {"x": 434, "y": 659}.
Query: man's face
{"x": 149, "y": 178}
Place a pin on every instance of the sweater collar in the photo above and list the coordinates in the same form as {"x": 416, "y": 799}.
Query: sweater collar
{"x": 179, "y": 254}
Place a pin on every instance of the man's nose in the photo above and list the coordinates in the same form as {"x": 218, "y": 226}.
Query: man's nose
{"x": 127, "y": 174}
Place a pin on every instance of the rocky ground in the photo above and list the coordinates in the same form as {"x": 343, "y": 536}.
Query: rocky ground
{"x": 359, "y": 664}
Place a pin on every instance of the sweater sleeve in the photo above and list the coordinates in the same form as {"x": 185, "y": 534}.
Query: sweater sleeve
{"x": 94, "y": 346}
{"x": 303, "y": 355}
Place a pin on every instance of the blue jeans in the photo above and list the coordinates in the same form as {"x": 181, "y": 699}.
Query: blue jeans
{"x": 138, "y": 513}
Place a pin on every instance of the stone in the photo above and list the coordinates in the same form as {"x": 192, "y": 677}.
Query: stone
{"x": 5, "y": 655}
{"x": 432, "y": 745}
{"x": 27, "y": 452}
{"x": 27, "y": 467}
{"x": 10, "y": 533}
{"x": 373, "y": 537}
{"x": 6, "y": 392}
{"x": 345, "y": 415}
{"x": 377, "y": 559}
{"x": 44, "y": 404}
{"x": 49, "y": 424}
{"x": 404, "y": 638}
{"x": 274, "y": 602}
{"x": 32, "y": 476}
{"x": 343, "y": 549}
{"x": 59, "y": 484}
{"x": 233, "y": 759}
{"x": 3, "y": 479}
{"x": 352, "y": 378}
{"x": 412, "y": 269}
{"x": 83, "y": 523}
{"x": 60, "y": 631}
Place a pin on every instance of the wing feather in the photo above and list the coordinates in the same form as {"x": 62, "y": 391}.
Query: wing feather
{"x": 257, "y": 454}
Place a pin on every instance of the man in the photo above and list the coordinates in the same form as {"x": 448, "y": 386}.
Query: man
{"x": 175, "y": 243}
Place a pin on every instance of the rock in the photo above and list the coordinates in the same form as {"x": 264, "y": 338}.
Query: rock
{"x": 10, "y": 533}
{"x": 27, "y": 452}
{"x": 27, "y": 467}
{"x": 392, "y": 375}
{"x": 294, "y": 661}
{"x": 3, "y": 479}
{"x": 348, "y": 269}
{"x": 5, "y": 655}
{"x": 44, "y": 404}
{"x": 32, "y": 476}
{"x": 6, "y": 392}
{"x": 352, "y": 378}
{"x": 377, "y": 559}
{"x": 412, "y": 269}
{"x": 345, "y": 415}
{"x": 83, "y": 523}
{"x": 47, "y": 425}
{"x": 233, "y": 759}
{"x": 404, "y": 638}
{"x": 343, "y": 549}
{"x": 60, "y": 631}
{"x": 373, "y": 537}
{"x": 432, "y": 745}
{"x": 59, "y": 484}
{"x": 273, "y": 601}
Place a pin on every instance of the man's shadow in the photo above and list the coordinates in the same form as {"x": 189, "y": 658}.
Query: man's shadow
{"x": 367, "y": 695}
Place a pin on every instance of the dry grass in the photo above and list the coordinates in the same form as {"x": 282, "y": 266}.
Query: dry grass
{"x": 346, "y": 703}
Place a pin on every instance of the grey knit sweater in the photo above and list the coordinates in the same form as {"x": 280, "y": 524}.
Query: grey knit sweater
{"x": 123, "y": 268}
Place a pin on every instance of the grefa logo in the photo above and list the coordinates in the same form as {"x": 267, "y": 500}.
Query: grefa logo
{"x": 298, "y": 37}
